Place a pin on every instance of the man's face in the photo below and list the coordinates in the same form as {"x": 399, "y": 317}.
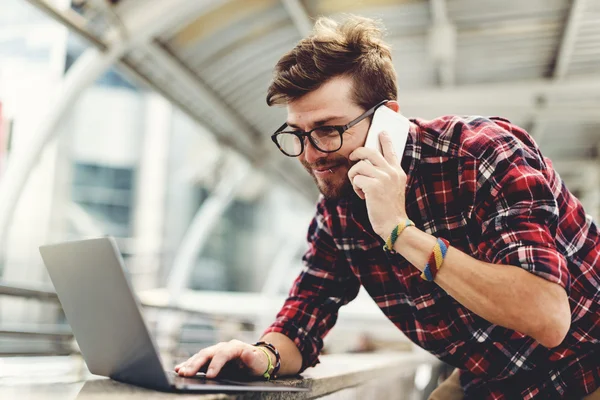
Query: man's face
{"x": 330, "y": 104}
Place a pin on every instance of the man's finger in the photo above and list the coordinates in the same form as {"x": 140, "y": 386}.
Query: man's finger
{"x": 219, "y": 360}
{"x": 387, "y": 147}
{"x": 359, "y": 192}
{"x": 363, "y": 168}
{"x": 373, "y": 156}
{"x": 181, "y": 364}
{"x": 193, "y": 365}
{"x": 363, "y": 182}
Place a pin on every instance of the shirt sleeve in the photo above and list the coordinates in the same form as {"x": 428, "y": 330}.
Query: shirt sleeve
{"x": 516, "y": 207}
{"x": 324, "y": 285}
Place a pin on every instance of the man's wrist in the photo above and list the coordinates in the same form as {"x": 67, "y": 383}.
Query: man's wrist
{"x": 271, "y": 353}
{"x": 387, "y": 231}
{"x": 271, "y": 349}
{"x": 267, "y": 374}
{"x": 415, "y": 246}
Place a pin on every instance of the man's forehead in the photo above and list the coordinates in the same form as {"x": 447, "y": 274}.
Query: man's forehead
{"x": 314, "y": 116}
{"x": 312, "y": 112}
{"x": 333, "y": 98}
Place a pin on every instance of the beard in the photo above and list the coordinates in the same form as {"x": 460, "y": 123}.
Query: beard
{"x": 336, "y": 184}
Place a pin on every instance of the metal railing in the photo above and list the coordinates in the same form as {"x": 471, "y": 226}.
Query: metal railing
{"x": 41, "y": 293}
{"x": 34, "y": 339}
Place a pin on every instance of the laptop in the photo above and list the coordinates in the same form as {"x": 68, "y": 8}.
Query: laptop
{"x": 107, "y": 322}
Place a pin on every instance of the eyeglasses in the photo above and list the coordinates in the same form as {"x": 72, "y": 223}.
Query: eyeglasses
{"x": 327, "y": 139}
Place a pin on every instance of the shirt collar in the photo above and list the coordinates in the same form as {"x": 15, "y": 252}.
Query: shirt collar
{"x": 412, "y": 153}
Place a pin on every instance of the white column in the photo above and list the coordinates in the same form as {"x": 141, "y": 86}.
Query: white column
{"x": 30, "y": 92}
{"x": 151, "y": 189}
{"x": 202, "y": 225}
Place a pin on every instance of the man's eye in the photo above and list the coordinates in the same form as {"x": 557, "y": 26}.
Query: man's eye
{"x": 326, "y": 131}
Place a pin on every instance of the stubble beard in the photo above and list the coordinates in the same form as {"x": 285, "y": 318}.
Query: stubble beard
{"x": 335, "y": 186}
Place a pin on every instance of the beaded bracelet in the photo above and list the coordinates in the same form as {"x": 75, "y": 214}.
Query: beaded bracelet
{"x": 389, "y": 243}
{"x": 269, "y": 346}
{"x": 436, "y": 259}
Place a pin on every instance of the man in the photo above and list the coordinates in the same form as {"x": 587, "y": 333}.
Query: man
{"x": 511, "y": 290}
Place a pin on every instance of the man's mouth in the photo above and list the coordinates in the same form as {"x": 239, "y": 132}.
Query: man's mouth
{"x": 323, "y": 171}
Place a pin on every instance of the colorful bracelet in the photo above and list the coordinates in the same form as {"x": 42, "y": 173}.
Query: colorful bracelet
{"x": 389, "y": 243}
{"x": 436, "y": 259}
{"x": 269, "y": 346}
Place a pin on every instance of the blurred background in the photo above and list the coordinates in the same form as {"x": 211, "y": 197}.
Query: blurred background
{"x": 146, "y": 120}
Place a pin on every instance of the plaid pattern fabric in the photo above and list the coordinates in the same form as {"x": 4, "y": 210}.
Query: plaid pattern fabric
{"x": 483, "y": 185}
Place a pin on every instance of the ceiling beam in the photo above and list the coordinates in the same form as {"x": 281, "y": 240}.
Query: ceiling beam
{"x": 191, "y": 81}
{"x": 515, "y": 93}
{"x": 518, "y": 101}
{"x": 299, "y": 16}
{"x": 563, "y": 59}
{"x": 71, "y": 20}
{"x": 569, "y": 38}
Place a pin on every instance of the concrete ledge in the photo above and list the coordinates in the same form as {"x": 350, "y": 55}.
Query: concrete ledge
{"x": 336, "y": 373}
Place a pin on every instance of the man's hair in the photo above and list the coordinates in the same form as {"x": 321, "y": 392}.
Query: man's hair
{"x": 353, "y": 48}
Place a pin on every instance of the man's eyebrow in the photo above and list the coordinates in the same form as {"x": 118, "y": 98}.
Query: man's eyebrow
{"x": 320, "y": 122}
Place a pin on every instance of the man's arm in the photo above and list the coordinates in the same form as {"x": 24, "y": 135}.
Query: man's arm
{"x": 325, "y": 284}
{"x": 291, "y": 359}
{"x": 502, "y": 294}
{"x": 521, "y": 280}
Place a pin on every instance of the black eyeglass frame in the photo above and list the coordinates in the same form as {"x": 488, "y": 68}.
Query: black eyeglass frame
{"x": 340, "y": 128}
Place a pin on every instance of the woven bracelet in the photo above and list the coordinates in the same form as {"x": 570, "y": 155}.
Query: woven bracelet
{"x": 436, "y": 259}
{"x": 389, "y": 243}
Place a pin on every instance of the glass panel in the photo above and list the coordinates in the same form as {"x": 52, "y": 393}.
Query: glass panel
{"x": 106, "y": 193}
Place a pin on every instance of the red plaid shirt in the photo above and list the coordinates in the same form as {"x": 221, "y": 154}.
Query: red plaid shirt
{"x": 483, "y": 185}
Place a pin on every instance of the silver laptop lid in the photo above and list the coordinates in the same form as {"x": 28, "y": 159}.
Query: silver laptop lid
{"x": 103, "y": 311}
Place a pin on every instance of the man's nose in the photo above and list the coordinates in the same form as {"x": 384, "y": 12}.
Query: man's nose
{"x": 312, "y": 154}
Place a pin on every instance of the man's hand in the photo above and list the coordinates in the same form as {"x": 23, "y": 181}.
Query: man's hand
{"x": 382, "y": 183}
{"x": 249, "y": 358}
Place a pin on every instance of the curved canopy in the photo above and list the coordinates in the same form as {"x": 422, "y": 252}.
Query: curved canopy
{"x": 535, "y": 62}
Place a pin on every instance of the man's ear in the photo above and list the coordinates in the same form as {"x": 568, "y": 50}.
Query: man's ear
{"x": 393, "y": 104}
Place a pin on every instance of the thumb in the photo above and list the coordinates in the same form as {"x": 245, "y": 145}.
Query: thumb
{"x": 255, "y": 360}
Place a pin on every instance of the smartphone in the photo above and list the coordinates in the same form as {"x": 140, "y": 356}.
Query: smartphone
{"x": 395, "y": 124}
